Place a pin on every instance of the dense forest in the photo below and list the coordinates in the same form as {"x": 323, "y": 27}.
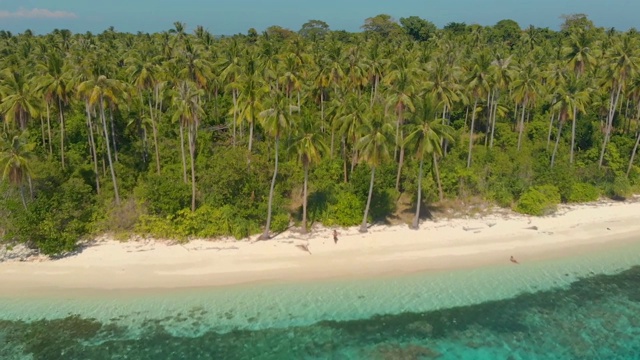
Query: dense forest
{"x": 180, "y": 134}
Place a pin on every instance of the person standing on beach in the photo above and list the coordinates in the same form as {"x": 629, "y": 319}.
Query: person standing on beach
{"x": 335, "y": 236}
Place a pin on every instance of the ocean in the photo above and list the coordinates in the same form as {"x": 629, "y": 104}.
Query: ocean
{"x": 585, "y": 306}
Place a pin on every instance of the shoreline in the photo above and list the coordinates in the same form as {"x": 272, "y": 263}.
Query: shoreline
{"x": 385, "y": 251}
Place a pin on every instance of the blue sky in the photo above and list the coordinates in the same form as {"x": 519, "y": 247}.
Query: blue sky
{"x": 234, "y": 16}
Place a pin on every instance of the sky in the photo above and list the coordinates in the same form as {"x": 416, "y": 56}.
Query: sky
{"x": 237, "y": 16}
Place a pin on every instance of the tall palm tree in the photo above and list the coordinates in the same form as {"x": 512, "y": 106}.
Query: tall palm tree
{"x": 18, "y": 103}
{"x": 54, "y": 83}
{"x": 427, "y": 135}
{"x": 15, "y": 162}
{"x": 309, "y": 146}
{"x": 373, "y": 149}
{"x": 525, "y": 89}
{"x": 571, "y": 100}
{"x": 188, "y": 112}
{"x": 276, "y": 121}
{"x": 101, "y": 91}
{"x": 623, "y": 64}
{"x": 478, "y": 83}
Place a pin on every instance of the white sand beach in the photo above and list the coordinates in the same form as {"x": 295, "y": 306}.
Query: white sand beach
{"x": 439, "y": 245}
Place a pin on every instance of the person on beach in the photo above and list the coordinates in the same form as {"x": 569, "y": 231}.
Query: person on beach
{"x": 513, "y": 260}
{"x": 335, "y": 236}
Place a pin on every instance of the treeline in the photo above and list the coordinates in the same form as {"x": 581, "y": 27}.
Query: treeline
{"x": 184, "y": 135}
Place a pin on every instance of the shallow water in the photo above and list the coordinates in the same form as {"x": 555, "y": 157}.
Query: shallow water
{"x": 585, "y": 307}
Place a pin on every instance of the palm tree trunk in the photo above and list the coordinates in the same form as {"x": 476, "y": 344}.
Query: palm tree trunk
{"x": 62, "y": 134}
{"x": 521, "y": 125}
{"x": 553, "y": 115}
{"x": 609, "y": 125}
{"x": 267, "y": 228}
{"x": 555, "y": 148}
{"x": 363, "y": 226}
{"x": 489, "y": 112}
{"x": 184, "y": 156}
{"x": 304, "y": 198}
{"x": 436, "y": 170}
{"x": 192, "y": 155}
{"x": 49, "y": 128}
{"x": 111, "y": 168}
{"x": 633, "y": 154}
{"x": 235, "y": 111}
{"x": 493, "y": 118}
{"x": 42, "y": 132}
{"x": 416, "y": 219}
{"x": 473, "y": 124}
{"x": 92, "y": 144}
{"x": 113, "y": 135}
{"x": 344, "y": 156}
{"x": 154, "y": 128}
{"x": 400, "y": 163}
{"x": 573, "y": 133}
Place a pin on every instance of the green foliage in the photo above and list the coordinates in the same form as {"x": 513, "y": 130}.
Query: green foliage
{"x": 538, "y": 200}
{"x": 165, "y": 194}
{"x": 346, "y": 211}
{"x": 621, "y": 188}
{"x": 55, "y": 221}
{"x": 583, "y": 192}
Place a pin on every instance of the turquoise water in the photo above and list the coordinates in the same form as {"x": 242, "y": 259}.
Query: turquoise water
{"x": 582, "y": 307}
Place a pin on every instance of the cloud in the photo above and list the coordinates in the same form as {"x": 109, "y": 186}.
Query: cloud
{"x": 36, "y": 13}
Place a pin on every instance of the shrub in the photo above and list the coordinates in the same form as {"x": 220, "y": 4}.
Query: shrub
{"x": 346, "y": 211}
{"x": 621, "y": 188}
{"x": 538, "y": 200}
{"x": 583, "y": 192}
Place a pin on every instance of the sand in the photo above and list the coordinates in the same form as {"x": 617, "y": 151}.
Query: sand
{"x": 439, "y": 245}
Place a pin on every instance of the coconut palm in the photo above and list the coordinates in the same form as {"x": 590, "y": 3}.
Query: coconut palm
{"x": 427, "y": 134}
{"x": 309, "y": 147}
{"x": 188, "y": 112}
{"x": 276, "y": 121}
{"x": 571, "y": 100}
{"x": 15, "y": 162}
{"x": 373, "y": 149}
{"x": 102, "y": 91}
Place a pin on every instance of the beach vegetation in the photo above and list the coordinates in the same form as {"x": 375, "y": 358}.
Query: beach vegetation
{"x": 181, "y": 134}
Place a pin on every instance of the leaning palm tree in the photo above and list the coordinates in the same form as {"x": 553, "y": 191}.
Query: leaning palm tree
{"x": 427, "y": 136}
{"x": 309, "y": 146}
{"x": 15, "y": 156}
{"x": 373, "y": 148}
{"x": 276, "y": 121}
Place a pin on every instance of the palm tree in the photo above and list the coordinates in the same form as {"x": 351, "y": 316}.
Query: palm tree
{"x": 55, "y": 86}
{"x": 478, "y": 84}
{"x": 401, "y": 90}
{"x": 276, "y": 121}
{"x": 309, "y": 147}
{"x": 427, "y": 138}
{"x": 18, "y": 103}
{"x": 373, "y": 149}
{"x": 571, "y": 99}
{"x": 525, "y": 90}
{"x": 187, "y": 111}
{"x": 623, "y": 66}
{"x": 15, "y": 160}
{"x": 99, "y": 91}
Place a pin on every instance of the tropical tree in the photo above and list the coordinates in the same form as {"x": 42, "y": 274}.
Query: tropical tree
{"x": 309, "y": 147}
{"x": 373, "y": 149}
{"x": 427, "y": 134}
{"x": 15, "y": 162}
{"x": 276, "y": 121}
{"x": 188, "y": 112}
